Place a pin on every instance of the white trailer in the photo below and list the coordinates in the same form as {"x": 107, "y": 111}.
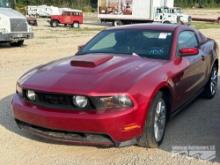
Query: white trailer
{"x": 135, "y": 11}
{"x": 42, "y": 11}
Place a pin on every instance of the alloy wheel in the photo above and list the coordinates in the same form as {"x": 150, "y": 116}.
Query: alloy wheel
{"x": 214, "y": 81}
{"x": 160, "y": 120}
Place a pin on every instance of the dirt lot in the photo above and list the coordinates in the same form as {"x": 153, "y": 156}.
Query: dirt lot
{"x": 199, "y": 124}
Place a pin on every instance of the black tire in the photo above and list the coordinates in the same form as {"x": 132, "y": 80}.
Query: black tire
{"x": 117, "y": 23}
{"x": 167, "y": 22}
{"x": 54, "y": 23}
{"x": 75, "y": 25}
{"x": 211, "y": 86}
{"x": 17, "y": 44}
{"x": 148, "y": 138}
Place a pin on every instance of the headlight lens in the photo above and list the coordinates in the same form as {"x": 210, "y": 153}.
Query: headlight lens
{"x": 120, "y": 101}
{"x": 31, "y": 95}
{"x": 19, "y": 89}
{"x": 80, "y": 101}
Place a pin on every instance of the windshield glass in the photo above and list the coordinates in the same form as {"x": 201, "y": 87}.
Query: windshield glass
{"x": 145, "y": 43}
{"x": 178, "y": 10}
{"x": 5, "y": 3}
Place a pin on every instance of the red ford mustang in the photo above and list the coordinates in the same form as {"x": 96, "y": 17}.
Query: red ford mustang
{"x": 120, "y": 88}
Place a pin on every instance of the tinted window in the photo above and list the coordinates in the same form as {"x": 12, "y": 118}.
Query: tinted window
{"x": 146, "y": 43}
{"x": 187, "y": 39}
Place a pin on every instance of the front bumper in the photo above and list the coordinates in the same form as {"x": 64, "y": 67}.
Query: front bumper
{"x": 13, "y": 37}
{"x": 106, "y": 128}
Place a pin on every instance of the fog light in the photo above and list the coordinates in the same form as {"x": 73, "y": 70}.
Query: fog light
{"x": 80, "y": 101}
{"x": 31, "y": 95}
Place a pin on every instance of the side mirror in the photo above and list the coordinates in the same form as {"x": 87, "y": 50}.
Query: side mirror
{"x": 189, "y": 51}
{"x": 80, "y": 47}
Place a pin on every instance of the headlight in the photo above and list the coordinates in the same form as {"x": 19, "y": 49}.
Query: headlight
{"x": 31, "y": 95}
{"x": 80, "y": 101}
{"x": 120, "y": 101}
{"x": 19, "y": 89}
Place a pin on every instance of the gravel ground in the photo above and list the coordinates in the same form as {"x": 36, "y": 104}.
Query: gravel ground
{"x": 198, "y": 124}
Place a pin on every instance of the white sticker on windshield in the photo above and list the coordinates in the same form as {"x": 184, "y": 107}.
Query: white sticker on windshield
{"x": 163, "y": 36}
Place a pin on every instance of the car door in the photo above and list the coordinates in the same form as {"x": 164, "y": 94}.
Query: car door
{"x": 193, "y": 68}
{"x": 67, "y": 18}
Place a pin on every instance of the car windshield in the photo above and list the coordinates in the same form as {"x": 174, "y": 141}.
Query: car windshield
{"x": 178, "y": 10}
{"x": 145, "y": 43}
{"x": 5, "y": 3}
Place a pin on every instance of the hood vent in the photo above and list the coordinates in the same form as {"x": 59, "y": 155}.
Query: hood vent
{"x": 90, "y": 61}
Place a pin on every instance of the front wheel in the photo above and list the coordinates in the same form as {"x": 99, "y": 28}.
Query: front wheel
{"x": 17, "y": 44}
{"x": 211, "y": 86}
{"x": 155, "y": 123}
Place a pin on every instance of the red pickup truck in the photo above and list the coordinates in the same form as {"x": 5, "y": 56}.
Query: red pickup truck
{"x": 70, "y": 17}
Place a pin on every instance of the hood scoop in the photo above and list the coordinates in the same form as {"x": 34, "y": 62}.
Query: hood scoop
{"x": 90, "y": 61}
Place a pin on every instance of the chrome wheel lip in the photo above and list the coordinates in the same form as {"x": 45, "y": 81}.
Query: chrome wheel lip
{"x": 160, "y": 120}
{"x": 214, "y": 81}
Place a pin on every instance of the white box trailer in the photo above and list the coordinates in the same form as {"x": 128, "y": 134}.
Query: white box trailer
{"x": 31, "y": 10}
{"x": 133, "y": 11}
{"x": 42, "y": 10}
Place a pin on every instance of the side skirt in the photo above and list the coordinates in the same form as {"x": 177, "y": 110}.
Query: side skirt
{"x": 187, "y": 103}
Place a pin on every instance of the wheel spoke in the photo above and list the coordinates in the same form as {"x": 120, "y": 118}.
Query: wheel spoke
{"x": 214, "y": 81}
{"x": 160, "y": 120}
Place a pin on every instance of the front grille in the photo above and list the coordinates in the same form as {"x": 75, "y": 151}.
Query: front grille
{"x": 18, "y": 25}
{"x": 55, "y": 101}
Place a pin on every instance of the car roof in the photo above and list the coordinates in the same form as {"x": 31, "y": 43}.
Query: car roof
{"x": 151, "y": 26}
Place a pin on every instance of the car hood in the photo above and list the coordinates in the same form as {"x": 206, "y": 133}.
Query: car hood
{"x": 90, "y": 74}
{"x": 10, "y": 13}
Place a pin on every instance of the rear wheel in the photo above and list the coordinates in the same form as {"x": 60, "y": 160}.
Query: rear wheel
{"x": 211, "y": 86}
{"x": 167, "y": 22}
{"x": 18, "y": 43}
{"x": 155, "y": 123}
{"x": 117, "y": 23}
{"x": 54, "y": 23}
{"x": 75, "y": 25}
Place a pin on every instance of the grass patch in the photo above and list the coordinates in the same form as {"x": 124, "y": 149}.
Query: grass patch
{"x": 205, "y": 25}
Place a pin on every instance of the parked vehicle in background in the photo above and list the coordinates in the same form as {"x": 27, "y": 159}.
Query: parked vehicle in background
{"x": 171, "y": 15}
{"x": 32, "y": 21}
{"x": 67, "y": 17}
{"x": 140, "y": 11}
{"x": 42, "y": 11}
{"x": 31, "y": 10}
{"x": 14, "y": 27}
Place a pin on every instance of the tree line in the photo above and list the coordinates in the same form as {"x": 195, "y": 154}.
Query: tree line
{"x": 92, "y": 4}
{"x": 198, "y": 3}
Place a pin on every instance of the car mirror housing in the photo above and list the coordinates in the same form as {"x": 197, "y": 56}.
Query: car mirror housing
{"x": 80, "y": 47}
{"x": 189, "y": 51}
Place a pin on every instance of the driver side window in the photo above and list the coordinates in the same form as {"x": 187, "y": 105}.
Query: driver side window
{"x": 187, "y": 39}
